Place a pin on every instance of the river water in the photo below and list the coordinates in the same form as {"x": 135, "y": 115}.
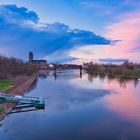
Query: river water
{"x": 79, "y": 107}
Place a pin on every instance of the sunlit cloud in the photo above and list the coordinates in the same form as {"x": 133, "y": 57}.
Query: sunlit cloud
{"x": 21, "y": 31}
{"x": 127, "y": 30}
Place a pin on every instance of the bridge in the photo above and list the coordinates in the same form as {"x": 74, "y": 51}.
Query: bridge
{"x": 22, "y": 101}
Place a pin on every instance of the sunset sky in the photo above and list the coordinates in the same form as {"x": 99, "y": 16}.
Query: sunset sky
{"x": 68, "y": 30}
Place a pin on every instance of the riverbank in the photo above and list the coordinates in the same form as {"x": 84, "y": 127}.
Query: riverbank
{"x": 125, "y": 70}
{"x": 19, "y": 86}
{"x": 115, "y": 75}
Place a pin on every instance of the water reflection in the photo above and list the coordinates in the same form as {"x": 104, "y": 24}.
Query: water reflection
{"x": 102, "y": 77}
{"x": 1, "y": 124}
{"x": 76, "y": 98}
{"x": 91, "y": 77}
{"x": 66, "y": 74}
{"x": 33, "y": 86}
{"x": 125, "y": 98}
{"x": 127, "y": 102}
{"x": 22, "y": 110}
{"x": 122, "y": 81}
{"x": 79, "y": 107}
{"x": 136, "y": 82}
{"x": 123, "y": 95}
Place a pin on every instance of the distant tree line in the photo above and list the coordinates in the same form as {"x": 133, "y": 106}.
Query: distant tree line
{"x": 12, "y": 67}
{"x": 126, "y": 69}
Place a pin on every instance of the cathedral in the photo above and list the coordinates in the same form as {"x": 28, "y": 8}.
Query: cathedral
{"x": 32, "y": 61}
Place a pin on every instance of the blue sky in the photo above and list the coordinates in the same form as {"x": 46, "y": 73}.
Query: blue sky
{"x": 87, "y": 14}
{"x": 70, "y": 29}
{"x": 73, "y": 12}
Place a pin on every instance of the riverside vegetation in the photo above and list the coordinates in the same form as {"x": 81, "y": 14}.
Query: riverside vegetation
{"x": 4, "y": 84}
{"x": 126, "y": 69}
{"x": 10, "y": 68}
{"x": 16, "y": 76}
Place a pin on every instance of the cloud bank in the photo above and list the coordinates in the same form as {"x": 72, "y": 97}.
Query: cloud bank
{"x": 110, "y": 60}
{"x": 126, "y": 30}
{"x": 21, "y": 31}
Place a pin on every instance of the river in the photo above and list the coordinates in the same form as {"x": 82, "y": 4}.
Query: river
{"x": 79, "y": 107}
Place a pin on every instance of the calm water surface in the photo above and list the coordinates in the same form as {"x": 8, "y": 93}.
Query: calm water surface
{"x": 79, "y": 108}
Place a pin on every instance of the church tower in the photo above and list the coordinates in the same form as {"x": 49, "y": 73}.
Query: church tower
{"x": 30, "y": 56}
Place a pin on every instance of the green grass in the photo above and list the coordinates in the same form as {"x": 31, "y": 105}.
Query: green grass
{"x": 4, "y": 84}
{"x": 1, "y": 111}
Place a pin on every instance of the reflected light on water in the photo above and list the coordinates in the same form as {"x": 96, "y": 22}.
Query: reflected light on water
{"x": 127, "y": 100}
{"x": 124, "y": 99}
{"x": 81, "y": 107}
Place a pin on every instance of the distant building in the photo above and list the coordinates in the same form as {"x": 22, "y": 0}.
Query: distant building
{"x": 42, "y": 63}
{"x": 31, "y": 59}
{"x": 30, "y": 56}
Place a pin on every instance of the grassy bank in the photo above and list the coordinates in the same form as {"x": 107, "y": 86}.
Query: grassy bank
{"x": 18, "y": 86}
{"x": 5, "y": 84}
{"x": 22, "y": 74}
{"x": 2, "y": 111}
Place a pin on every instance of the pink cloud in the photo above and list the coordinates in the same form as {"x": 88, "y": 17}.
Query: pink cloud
{"x": 127, "y": 30}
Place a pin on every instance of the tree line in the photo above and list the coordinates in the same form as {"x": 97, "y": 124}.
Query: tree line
{"x": 13, "y": 66}
{"x": 126, "y": 69}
